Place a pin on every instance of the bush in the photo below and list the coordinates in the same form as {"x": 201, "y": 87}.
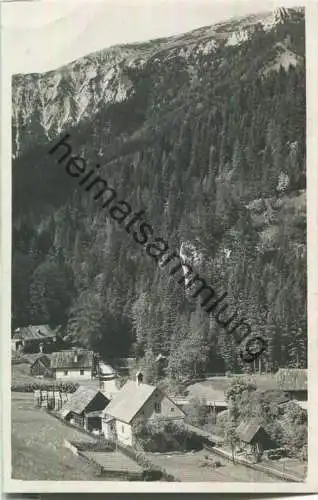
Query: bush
{"x": 151, "y": 475}
{"x": 197, "y": 412}
{"x": 45, "y": 386}
{"x": 162, "y": 436}
{"x": 101, "y": 445}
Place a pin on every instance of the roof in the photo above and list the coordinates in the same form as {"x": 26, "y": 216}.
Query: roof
{"x": 292, "y": 379}
{"x": 32, "y": 358}
{"x": 33, "y": 332}
{"x": 79, "y": 400}
{"x": 106, "y": 369}
{"x": 129, "y": 401}
{"x": 66, "y": 359}
{"x": 247, "y": 430}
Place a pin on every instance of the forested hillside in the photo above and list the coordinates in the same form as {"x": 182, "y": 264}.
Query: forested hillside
{"x": 205, "y": 132}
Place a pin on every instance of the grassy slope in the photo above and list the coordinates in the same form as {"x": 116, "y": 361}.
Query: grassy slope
{"x": 37, "y": 445}
{"x": 20, "y": 374}
{"x": 215, "y": 387}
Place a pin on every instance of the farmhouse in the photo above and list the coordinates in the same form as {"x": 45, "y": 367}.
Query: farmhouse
{"x": 33, "y": 338}
{"x": 136, "y": 402}
{"x": 74, "y": 364}
{"x": 253, "y": 437}
{"x": 84, "y": 408}
{"x": 293, "y": 381}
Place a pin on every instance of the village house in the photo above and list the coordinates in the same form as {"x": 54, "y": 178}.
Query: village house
{"x": 293, "y": 381}
{"x": 74, "y": 364}
{"x": 136, "y": 402}
{"x": 253, "y": 437}
{"x": 84, "y": 408}
{"x": 33, "y": 338}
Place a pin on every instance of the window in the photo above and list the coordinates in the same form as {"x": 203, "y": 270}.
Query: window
{"x": 122, "y": 429}
{"x": 158, "y": 407}
{"x": 81, "y": 372}
{"x": 65, "y": 372}
{"x": 172, "y": 409}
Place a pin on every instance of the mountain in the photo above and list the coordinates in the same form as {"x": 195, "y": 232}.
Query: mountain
{"x": 203, "y": 131}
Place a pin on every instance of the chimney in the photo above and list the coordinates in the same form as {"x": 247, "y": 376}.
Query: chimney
{"x": 139, "y": 377}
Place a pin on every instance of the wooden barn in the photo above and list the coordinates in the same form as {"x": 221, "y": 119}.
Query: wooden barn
{"x": 39, "y": 364}
{"x": 293, "y": 381}
{"x": 253, "y": 437}
{"x": 84, "y": 408}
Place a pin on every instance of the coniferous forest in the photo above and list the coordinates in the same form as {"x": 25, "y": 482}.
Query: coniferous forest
{"x": 208, "y": 139}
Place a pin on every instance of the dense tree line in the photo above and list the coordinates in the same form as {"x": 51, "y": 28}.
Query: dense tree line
{"x": 216, "y": 159}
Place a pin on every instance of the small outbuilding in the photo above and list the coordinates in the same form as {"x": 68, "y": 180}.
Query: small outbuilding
{"x": 39, "y": 364}
{"x": 84, "y": 408}
{"x": 293, "y": 381}
{"x": 253, "y": 437}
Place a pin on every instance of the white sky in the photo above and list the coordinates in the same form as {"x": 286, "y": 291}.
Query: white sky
{"x": 42, "y": 35}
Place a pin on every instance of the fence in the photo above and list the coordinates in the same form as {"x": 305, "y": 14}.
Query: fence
{"x": 270, "y": 471}
{"x": 52, "y": 400}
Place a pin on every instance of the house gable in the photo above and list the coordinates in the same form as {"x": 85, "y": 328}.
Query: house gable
{"x": 159, "y": 406}
{"x": 98, "y": 403}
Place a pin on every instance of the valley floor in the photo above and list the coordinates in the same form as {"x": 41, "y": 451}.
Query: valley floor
{"x": 190, "y": 467}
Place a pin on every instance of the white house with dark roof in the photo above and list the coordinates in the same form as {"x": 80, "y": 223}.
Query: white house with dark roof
{"x": 74, "y": 364}
{"x": 136, "y": 402}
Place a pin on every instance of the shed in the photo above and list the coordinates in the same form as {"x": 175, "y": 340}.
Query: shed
{"x": 39, "y": 364}
{"x": 294, "y": 382}
{"x": 253, "y": 437}
{"x": 81, "y": 404}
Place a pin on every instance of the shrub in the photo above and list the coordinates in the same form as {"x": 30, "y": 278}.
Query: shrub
{"x": 197, "y": 412}
{"x": 151, "y": 475}
{"x": 162, "y": 436}
{"x": 45, "y": 386}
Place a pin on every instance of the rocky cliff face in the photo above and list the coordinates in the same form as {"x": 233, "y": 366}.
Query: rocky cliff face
{"x": 55, "y": 101}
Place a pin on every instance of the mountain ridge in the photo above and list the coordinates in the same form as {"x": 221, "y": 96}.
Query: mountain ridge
{"x": 211, "y": 145}
{"x": 75, "y": 91}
